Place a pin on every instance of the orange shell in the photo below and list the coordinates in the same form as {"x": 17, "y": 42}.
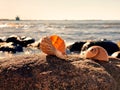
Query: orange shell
{"x": 58, "y": 43}
{"x": 53, "y": 45}
{"x": 95, "y": 52}
{"x": 46, "y": 46}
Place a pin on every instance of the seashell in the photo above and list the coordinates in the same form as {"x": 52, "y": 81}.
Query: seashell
{"x": 58, "y": 43}
{"x": 53, "y": 45}
{"x": 116, "y": 54}
{"x": 96, "y": 53}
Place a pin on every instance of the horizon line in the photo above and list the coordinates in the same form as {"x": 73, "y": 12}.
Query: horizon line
{"x": 58, "y": 19}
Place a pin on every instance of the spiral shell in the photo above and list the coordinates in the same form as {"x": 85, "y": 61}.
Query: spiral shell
{"x": 96, "y": 53}
{"x": 116, "y": 54}
{"x": 53, "y": 45}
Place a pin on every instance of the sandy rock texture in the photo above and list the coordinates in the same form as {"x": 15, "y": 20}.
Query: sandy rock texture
{"x": 41, "y": 72}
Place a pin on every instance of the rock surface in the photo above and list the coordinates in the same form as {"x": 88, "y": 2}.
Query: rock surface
{"x": 41, "y": 72}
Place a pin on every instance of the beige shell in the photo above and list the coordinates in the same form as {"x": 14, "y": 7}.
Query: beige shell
{"x": 116, "y": 54}
{"x": 48, "y": 47}
{"x": 96, "y": 53}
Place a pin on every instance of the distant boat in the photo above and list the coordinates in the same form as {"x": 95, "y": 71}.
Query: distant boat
{"x": 17, "y": 18}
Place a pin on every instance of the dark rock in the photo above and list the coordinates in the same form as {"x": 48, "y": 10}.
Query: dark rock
{"x": 10, "y": 47}
{"x": 14, "y": 38}
{"x": 109, "y": 46}
{"x": 22, "y": 41}
{"x": 23, "y": 37}
{"x": 18, "y": 48}
{"x": 1, "y": 40}
{"x": 26, "y": 41}
{"x": 36, "y": 44}
{"x": 40, "y": 72}
{"x": 76, "y": 47}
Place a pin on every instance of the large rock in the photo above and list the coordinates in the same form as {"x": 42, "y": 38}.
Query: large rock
{"x": 14, "y": 38}
{"x": 76, "y": 47}
{"x": 23, "y": 41}
{"x": 26, "y": 41}
{"x": 10, "y": 47}
{"x": 113, "y": 68}
{"x": 1, "y": 40}
{"x": 41, "y": 72}
{"x": 109, "y": 46}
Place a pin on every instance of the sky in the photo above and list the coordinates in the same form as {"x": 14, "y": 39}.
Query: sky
{"x": 60, "y": 9}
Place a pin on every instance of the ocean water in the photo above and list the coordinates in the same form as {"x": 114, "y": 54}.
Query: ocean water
{"x": 70, "y": 30}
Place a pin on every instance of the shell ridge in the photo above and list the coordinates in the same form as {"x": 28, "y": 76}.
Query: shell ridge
{"x": 53, "y": 45}
{"x": 98, "y": 52}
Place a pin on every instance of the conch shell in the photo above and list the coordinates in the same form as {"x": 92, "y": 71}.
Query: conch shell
{"x": 96, "y": 53}
{"x": 53, "y": 45}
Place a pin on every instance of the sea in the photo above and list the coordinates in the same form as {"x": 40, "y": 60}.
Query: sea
{"x": 69, "y": 30}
